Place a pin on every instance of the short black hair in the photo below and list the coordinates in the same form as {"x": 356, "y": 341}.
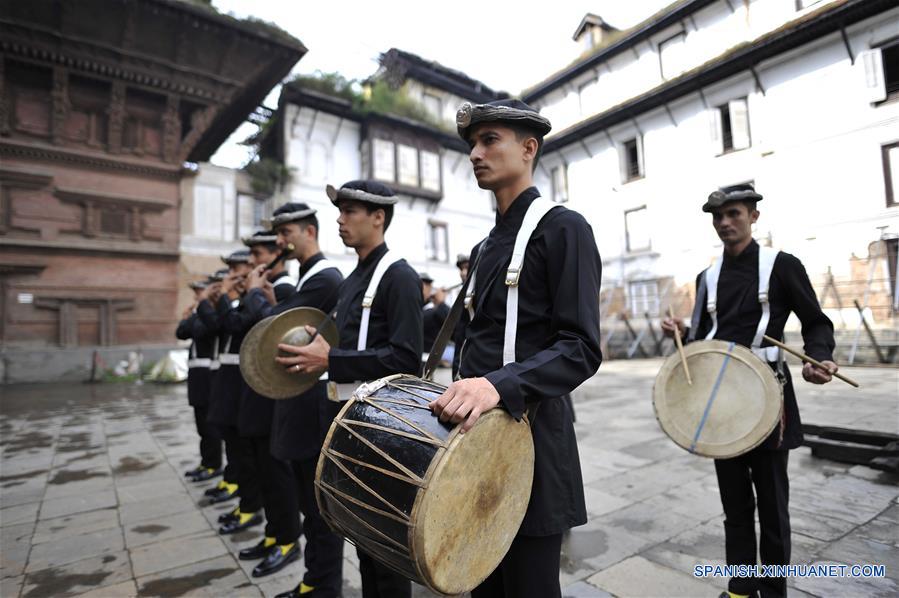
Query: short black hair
{"x": 523, "y": 133}
{"x": 388, "y": 212}
{"x": 294, "y": 206}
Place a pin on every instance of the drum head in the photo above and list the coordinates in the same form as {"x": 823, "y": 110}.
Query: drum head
{"x": 474, "y": 504}
{"x": 734, "y": 403}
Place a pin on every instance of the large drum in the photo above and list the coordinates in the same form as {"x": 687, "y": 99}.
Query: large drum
{"x": 732, "y": 406}
{"x": 439, "y": 507}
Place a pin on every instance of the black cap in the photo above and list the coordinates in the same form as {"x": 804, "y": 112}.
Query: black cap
{"x": 513, "y": 112}
{"x": 462, "y": 258}
{"x": 262, "y": 237}
{"x": 241, "y": 256}
{"x": 289, "y": 212}
{"x": 198, "y": 285}
{"x": 425, "y": 277}
{"x": 367, "y": 191}
{"x": 744, "y": 192}
{"x": 218, "y": 275}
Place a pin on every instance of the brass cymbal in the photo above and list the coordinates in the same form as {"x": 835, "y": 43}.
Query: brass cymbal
{"x": 265, "y": 375}
{"x": 249, "y": 348}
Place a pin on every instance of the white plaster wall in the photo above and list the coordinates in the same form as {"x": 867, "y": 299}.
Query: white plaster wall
{"x": 815, "y": 155}
{"x": 327, "y": 151}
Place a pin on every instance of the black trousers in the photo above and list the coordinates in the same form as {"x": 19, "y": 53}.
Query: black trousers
{"x": 210, "y": 442}
{"x": 380, "y": 581}
{"x": 279, "y": 495}
{"x": 766, "y": 472}
{"x": 324, "y": 549}
{"x": 529, "y": 570}
{"x": 239, "y": 451}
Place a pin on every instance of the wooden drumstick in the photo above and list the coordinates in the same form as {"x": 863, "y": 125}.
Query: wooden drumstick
{"x": 680, "y": 347}
{"x": 808, "y": 359}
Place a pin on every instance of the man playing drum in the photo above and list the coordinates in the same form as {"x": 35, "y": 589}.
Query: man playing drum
{"x": 379, "y": 320}
{"x": 531, "y": 334}
{"x": 741, "y": 310}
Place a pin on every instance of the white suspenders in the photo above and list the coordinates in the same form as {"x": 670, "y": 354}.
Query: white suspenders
{"x": 344, "y": 391}
{"x": 387, "y": 260}
{"x": 709, "y": 280}
{"x": 315, "y": 269}
{"x": 536, "y": 211}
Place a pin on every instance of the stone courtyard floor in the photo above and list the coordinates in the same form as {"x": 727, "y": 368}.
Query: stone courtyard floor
{"x": 94, "y": 502}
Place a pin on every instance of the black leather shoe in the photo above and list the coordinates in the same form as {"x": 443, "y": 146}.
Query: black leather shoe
{"x": 230, "y": 515}
{"x": 221, "y": 496}
{"x": 295, "y": 593}
{"x": 205, "y": 474}
{"x": 276, "y": 560}
{"x": 212, "y": 491}
{"x": 192, "y": 472}
{"x": 232, "y": 527}
{"x": 258, "y": 551}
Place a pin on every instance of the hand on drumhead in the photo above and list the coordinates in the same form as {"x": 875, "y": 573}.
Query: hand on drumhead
{"x": 308, "y": 358}
{"x": 816, "y": 375}
{"x": 465, "y": 401}
{"x": 670, "y": 325}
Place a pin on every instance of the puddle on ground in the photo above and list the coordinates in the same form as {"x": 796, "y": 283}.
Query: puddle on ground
{"x": 150, "y": 529}
{"x": 20, "y": 476}
{"x": 65, "y": 476}
{"x": 178, "y": 586}
{"x": 578, "y": 546}
{"x": 53, "y": 582}
{"x": 27, "y": 441}
{"x": 132, "y": 465}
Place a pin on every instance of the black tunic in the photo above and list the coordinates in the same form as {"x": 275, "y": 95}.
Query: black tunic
{"x": 739, "y": 312}
{"x": 395, "y": 324}
{"x": 227, "y": 383}
{"x": 254, "y": 413}
{"x": 557, "y": 347}
{"x": 433, "y": 319}
{"x": 299, "y": 424}
{"x": 202, "y": 346}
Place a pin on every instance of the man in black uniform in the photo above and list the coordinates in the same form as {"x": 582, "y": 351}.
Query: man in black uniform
{"x": 556, "y": 338}
{"x": 279, "y": 546}
{"x": 434, "y": 312}
{"x": 301, "y": 423}
{"x": 227, "y": 385}
{"x": 201, "y": 352}
{"x": 737, "y": 316}
{"x": 392, "y": 342}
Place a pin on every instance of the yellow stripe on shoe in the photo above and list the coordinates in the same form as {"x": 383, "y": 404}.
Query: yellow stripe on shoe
{"x": 268, "y": 542}
{"x": 304, "y": 589}
{"x": 285, "y": 548}
{"x": 244, "y": 517}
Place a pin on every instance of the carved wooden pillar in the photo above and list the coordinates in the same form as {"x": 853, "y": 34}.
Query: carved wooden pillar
{"x": 137, "y": 224}
{"x": 108, "y": 311}
{"x": 171, "y": 132}
{"x": 60, "y": 96}
{"x": 90, "y": 225}
{"x": 4, "y": 101}
{"x": 116, "y": 112}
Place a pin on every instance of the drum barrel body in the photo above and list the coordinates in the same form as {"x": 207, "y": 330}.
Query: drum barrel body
{"x": 438, "y": 507}
{"x": 371, "y": 469}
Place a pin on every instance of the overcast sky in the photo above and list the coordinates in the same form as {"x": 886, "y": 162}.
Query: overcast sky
{"x": 507, "y": 45}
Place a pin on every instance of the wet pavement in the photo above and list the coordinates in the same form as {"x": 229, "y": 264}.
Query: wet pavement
{"x": 94, "y": 502}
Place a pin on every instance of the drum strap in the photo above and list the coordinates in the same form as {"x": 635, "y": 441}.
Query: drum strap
{"x": 315, "y": 269}
{"x": 711, "y": 295}
{"x": 536, "y": 211}
{"x": 709, "y": 283}
{"x": 387, "y": 260}
{"x": 767, "y": 255}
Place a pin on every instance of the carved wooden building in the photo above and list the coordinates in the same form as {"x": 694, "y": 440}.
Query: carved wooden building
{"x": 101, "y": 104}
